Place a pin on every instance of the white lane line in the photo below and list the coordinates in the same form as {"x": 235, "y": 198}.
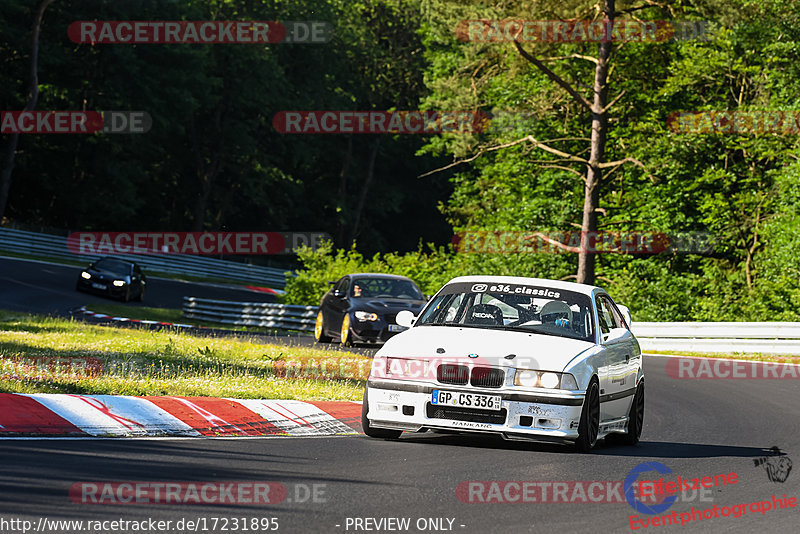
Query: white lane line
{"x": 722, "y": 359}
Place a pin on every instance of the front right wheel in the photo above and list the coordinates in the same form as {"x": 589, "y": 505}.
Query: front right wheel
{"x": 636, "y": 416}
{"x": 589, "y": 425}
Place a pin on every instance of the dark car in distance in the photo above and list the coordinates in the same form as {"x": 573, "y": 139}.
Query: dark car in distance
{"x": 361, "y": 308}
{"x": 113, "y": 277}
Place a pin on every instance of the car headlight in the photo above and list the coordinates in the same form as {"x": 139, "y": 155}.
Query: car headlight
{"x": 408, "y": 369}
{"x": 119, "y": 283}
{"x": 526, "y": 378}
{"x": 544, "y": 379}
{"x": 549, "y": 380}
{"x": 365, "y": 316}
{"x": 86, "y": 275}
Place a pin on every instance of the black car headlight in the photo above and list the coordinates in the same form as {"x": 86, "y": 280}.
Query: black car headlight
{"x": 119, "y": 283}
{"x": 86, "y": 275}
{"x": 366, "y": 316}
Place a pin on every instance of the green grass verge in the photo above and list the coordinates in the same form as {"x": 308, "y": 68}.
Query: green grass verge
{"x": 749, "y": 356}
{"x": 49, "y": 355}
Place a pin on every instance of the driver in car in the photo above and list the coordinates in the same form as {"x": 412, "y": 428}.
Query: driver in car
{"x": 558, "y": 313}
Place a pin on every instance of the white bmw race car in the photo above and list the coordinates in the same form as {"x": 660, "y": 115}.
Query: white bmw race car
{"x": 524, "y": 358}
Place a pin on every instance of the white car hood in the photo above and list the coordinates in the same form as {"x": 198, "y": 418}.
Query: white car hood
{"x": 533, "y": 351}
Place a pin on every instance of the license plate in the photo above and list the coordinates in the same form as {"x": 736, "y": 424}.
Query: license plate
{"x": 466, "y": 400}
{"x": 396, "y": 328}
{"x": 98, "y": 286}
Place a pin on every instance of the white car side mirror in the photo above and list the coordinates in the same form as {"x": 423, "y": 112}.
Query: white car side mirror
{"x": 626, "y": 314}
{"x": 616, "y": 334}
{"x": 406, "y": 318}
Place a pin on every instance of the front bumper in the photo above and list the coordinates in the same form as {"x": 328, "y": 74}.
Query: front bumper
{"x": 373, "y": 331}
{"x": 108, "y": 288}
{"x": 405, "y": 405}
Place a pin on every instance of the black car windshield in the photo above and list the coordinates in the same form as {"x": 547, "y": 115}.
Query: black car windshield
{"x": 112, "y": 266}
{"x": 385, "y": 288}
{"x": 524, "y": 308}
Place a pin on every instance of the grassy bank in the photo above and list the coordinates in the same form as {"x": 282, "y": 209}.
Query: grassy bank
{"x": 47, "y": 355}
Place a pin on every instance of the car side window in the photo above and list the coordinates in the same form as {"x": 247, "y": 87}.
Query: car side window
{"x": 605, "y": 316}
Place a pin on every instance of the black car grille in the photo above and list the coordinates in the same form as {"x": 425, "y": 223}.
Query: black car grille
{"x": 465, "y": 414}
{"x": 449, "y": 373}
{"x": 486, "y": 377}
{"x": 391, "y": 318}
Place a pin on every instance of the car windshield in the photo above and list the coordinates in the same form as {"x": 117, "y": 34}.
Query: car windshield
{"x": 385, "y": 288}
{"x": 524, "y": 308}
{"x": 112, "y": 266}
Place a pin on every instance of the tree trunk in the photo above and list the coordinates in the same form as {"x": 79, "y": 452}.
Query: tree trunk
{"x": 591, "y": 197}
{"x": 342, "y": 192}
{"x": 33, "y": 97}
{"x": 208, "y": 166}
{"x": 362, "y": 197}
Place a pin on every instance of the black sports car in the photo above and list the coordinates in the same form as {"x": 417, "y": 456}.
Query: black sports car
{"x": 361, "y": 308}
{"x": 113, "y": 277}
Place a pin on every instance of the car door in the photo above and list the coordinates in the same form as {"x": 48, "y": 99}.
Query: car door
{"x": 633, "y": 354}
{"x": 337, "y": 304}
{"x": 614, "y": 374}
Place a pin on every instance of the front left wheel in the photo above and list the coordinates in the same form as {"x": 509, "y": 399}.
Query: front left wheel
{"x": 371, "y": 431}
{"x": 589, "y": 426}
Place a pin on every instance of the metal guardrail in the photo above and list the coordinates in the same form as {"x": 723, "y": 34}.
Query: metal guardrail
{"x": 769, "y": 337}
{"x": 51, "y": 246}
{"x": 284, "y": 316}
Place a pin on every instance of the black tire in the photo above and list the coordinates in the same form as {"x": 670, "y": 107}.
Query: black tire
{"x": 319, "y": 329}
{"x": 635, "y": 417}
{"x": 140, "y": 297}
{"x": 589, "y": 426}
{"x": 383, "y": 433}
{"x": 127, "y": 296}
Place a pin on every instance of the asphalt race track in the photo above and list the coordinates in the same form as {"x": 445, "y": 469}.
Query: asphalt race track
{"x": 38, "y": 287}
{"x": 696, "y": 428}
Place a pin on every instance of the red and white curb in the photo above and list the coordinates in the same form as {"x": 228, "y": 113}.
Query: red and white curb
{"x": 48, "y": 414}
